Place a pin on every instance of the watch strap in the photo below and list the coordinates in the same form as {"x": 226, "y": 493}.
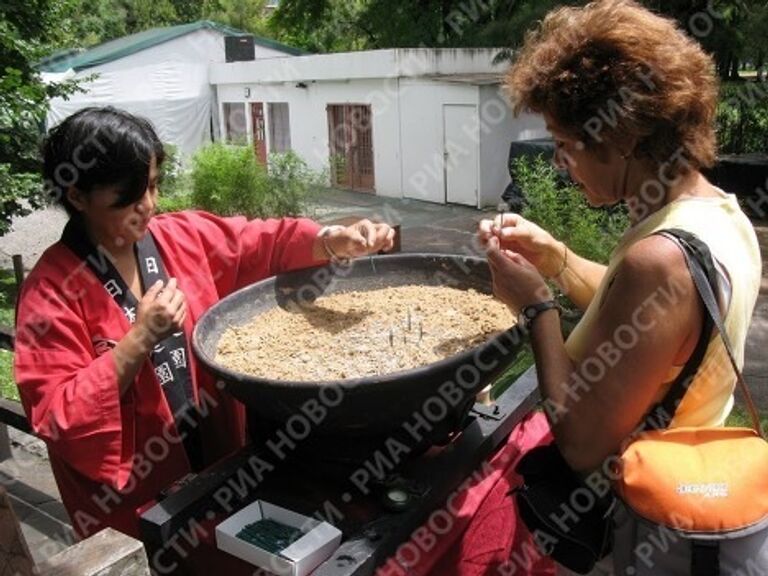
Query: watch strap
{"x": 532, "y": 311}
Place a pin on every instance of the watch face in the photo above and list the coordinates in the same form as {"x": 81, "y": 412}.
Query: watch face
{"x": 530, "y": 313}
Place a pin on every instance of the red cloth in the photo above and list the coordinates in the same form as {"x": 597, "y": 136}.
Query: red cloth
{"x": 111, "y": 455}
{"x": 478, "y": 531}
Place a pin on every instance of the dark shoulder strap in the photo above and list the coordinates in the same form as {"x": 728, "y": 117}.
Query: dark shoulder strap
{"x": 702, "y": 267}
{"x": 662, "y": 413}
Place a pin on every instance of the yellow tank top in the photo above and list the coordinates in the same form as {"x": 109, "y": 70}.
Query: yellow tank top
{"x": 721, "y": 224}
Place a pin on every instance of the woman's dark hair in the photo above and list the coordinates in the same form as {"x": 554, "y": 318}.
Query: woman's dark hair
{"x": 100, "y": 148}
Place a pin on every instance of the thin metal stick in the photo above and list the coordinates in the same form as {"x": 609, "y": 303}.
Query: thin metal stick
{"x": 502, "y": 208}
{"x": 364, "y": 234}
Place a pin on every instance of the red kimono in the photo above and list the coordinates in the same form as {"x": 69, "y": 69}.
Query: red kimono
{"x": 110, "y": 455}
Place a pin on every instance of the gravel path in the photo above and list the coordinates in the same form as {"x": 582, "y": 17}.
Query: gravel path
{"x": 31, "y": 235}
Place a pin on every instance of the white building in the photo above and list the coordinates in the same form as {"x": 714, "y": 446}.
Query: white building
{"x": 161, "y": 74}
{"x": 427, "y": 124}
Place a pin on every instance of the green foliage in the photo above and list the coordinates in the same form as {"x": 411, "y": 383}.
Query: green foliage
{"x": 740, "y": 418}
{"x": 321, "y": 25}
{"x": 228, "y": 180}
{"x": 337, "y": 25}
{"x": 291, "y": 183}
{"x": 519, "y": 365}
{"x": 7, "y": 312}
{"x": 8, "y": 387}
{"x": 28, "y": 30}
{"x": 171, "y": 170}
{"x": 8, "y": 293}
{"x": 92, "y": 22}
{"x": 174, "y": 183}
{"x": 742, "y": 118}
{"x": 248, "y": 15}
{"x": 561, "y": 209}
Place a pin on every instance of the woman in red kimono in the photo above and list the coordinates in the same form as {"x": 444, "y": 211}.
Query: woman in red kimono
{"x": 102, "y": 360}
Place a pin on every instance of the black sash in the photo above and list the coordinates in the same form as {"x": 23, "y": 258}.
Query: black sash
{"x": 169, "y": 356}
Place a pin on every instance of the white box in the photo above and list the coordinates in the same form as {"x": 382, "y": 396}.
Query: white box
{"x": 319, "y": 541}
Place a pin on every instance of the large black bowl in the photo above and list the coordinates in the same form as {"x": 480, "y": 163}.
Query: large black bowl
{"x": 422, "y": 406}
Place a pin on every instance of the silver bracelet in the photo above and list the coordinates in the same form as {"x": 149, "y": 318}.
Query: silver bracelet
{"x": 323, "y": 234}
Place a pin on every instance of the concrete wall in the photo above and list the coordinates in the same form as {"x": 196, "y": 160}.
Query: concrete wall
{"x": 423, "y": 139}
{"x": 408, "y": 91}
{"x": 408, "y": 131}
{"x": 309, "y": 121}
{"x": 498, "y": 128}
{"x": 395, "y": 63}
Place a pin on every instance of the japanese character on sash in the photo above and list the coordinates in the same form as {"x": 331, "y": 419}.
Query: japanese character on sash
{"x": 130, "y": 313}
{"x": 164, "y": 374}
{"x": 152, "y": 265}
{"x": 113, "y": 288}
{"x": 179, "y": 357}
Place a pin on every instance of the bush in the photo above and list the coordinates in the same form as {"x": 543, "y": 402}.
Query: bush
{"x": 561, "y": 209}
{"x": 742, "y": 118}
{"x": 228, "y": 180}
{"x": 292, "y": 183}
{"x": 175, "y": 192}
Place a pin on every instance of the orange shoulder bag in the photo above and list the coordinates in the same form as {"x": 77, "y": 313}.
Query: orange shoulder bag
{"x": 699, "y": 496}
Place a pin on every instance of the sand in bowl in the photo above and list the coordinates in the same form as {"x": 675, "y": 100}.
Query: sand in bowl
{"x": 361, "y": 334}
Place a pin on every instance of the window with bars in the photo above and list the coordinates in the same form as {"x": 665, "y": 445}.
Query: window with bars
{"x": 279, "y": 127}
{"x": 351, "y": 146}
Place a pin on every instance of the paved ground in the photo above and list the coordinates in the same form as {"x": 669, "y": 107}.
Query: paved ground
{"x": 424, "y": 227}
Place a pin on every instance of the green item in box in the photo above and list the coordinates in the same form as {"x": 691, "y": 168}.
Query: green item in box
{"x": 269, "y": 535}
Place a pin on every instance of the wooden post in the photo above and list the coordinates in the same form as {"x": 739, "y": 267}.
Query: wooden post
{"x": 18, "y": 269}
{"x": 14, "y": 552}
{"x": 5, "y": 443}
{"x": 107, "y": 553}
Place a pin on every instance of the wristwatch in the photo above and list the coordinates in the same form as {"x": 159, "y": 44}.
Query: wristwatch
{"x": 529, "y": 313}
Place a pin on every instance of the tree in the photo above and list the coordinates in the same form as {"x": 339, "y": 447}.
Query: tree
{"x": 321, "y": 25}
{"x": 248, "y": 15}
{"x": 28, "y": 30}
{"x": 91, "y": 22}
{"x": 757, "y": 38}
{"x": 146, "y": 14}
{"x": 333, "y": 25}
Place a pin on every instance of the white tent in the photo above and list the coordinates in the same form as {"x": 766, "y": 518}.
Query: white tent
{"x": 161, "y": 74}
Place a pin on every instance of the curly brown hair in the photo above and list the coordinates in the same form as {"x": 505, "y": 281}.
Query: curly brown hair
{"x": 613, "y": 68}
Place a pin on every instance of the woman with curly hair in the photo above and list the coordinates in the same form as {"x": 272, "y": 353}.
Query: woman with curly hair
{"x": 630, "y": 101}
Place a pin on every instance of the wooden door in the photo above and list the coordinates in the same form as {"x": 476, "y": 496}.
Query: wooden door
{"x": 351, "y": 146}
{"x": 259, "y": 131}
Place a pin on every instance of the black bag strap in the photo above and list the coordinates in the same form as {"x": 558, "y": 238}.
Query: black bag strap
{"x": 661, "y": 414}
{"x": 701, "y": 265}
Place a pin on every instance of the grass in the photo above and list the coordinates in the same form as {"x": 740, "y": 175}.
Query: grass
{"x": 523, "y": 361}
{"x": 7, "y": 314}
{"x": 739, "y": 417}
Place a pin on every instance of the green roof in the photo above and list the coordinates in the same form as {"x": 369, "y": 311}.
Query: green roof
{"x": 127, "y": 45}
